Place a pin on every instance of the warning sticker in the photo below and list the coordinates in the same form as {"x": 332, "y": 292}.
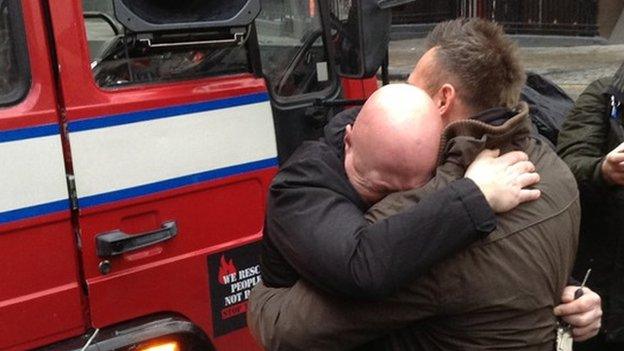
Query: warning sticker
{"x": 233, "y": 274}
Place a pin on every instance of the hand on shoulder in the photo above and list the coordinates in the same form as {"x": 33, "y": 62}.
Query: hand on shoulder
{"x": 504, "y": 180}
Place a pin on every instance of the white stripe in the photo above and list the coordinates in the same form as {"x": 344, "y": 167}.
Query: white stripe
{"x": 33, "y": 174}
{"x": 125, "y": 156}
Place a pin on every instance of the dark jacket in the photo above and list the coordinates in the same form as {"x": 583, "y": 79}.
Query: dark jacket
{"x": 497, "y": 294}
{"x": 588, "y": 135}
{"x": 315, "y": 227}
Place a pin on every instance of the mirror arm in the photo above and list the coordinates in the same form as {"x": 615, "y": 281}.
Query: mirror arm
{"x": 385, "y": 75}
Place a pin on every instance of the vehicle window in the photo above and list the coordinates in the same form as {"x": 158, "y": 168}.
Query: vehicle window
{"x": 14, "y": 79}
{"x": 294, "y": 59}
{"x": 120, "y": 57}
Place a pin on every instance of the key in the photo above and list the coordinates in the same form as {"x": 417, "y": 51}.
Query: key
{"x": 579, "y": 292}
{"x": 564, "y": 330}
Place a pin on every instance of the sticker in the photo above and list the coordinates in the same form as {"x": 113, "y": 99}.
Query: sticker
{"x": 322, "y": 71}
{"x": 232, "y": 274}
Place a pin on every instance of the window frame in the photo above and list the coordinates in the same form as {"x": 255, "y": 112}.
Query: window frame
{"x": 19, "y": 50}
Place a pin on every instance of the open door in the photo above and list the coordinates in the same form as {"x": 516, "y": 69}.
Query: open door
{"x": 296, "y": 63}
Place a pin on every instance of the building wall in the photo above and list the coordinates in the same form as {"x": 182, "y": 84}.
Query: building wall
{"x": 424, "y": 11}
{"x": 560, "y": 17}
{"x": 609, "y": 12}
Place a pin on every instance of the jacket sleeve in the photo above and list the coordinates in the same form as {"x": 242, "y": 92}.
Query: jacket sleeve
{"x": 583, "y": 137}
{"x": 325, "y": 238}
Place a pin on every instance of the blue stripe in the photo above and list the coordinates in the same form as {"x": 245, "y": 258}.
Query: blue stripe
{"x": 29, "y": 133}
{"x": 126, "y": 118}
{"x": 63, "y": 205}
{"x": 34, "y": 211}
{"x": 140, "y": 116}
{"x": 169, "y": 184}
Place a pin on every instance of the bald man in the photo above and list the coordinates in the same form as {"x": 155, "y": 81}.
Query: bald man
{"x": 315, "y": 227}
{"x": 393, "y": 145}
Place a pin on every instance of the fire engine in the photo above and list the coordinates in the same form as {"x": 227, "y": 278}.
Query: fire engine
{"x": 138, "y": 139}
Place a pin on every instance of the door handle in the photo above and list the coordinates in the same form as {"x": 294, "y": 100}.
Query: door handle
{"x": 117, "y": 242}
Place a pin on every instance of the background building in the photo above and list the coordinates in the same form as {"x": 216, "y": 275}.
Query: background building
{"x": 548, "y": 17}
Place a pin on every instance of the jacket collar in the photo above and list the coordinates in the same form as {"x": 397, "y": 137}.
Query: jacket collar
{"x": 333, "y": 133}
{"x": 461, "y": 140}
{"x": 497, "y": 128}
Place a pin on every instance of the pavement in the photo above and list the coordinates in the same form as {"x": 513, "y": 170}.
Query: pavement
{"x": 571, "y": 67}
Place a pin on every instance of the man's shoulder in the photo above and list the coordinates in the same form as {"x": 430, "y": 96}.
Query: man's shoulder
{"x": 600, "y": 84}
{"x": 334, "y": 130}
{"x": 314, "y": 164}
{"x": 311, "y": 155}
{"x": 559, "y": 195}
{"x": 555, "y": 175}
{"x": 594, "y": 90}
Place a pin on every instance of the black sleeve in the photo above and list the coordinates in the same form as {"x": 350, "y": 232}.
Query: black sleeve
{"x": 324, "y": 236}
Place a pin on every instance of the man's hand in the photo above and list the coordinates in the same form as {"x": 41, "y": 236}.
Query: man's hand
{"x": 583, "y": 314}
{"x": 613, "y": 166}
{"x": 503, "y": 179}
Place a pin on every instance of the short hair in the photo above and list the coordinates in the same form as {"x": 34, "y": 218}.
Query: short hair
{"x": 476, "y": 55}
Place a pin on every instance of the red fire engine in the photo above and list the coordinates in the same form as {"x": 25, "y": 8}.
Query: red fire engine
{"x": 138, "y": 139}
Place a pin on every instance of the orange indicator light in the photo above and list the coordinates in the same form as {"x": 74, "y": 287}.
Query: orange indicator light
{"x": 168, "y": 346}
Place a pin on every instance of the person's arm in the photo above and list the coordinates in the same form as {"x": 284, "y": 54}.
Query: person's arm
{"x": 581, "y": 142}
{"x": 329, "y": 243}
{"x": 322, "y": 233}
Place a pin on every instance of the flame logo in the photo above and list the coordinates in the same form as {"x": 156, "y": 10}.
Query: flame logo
{"x": 226, "y": 267}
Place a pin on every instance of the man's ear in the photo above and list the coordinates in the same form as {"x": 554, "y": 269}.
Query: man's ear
{"x": 445, "y": 100}
{"x": 347, "y": 137}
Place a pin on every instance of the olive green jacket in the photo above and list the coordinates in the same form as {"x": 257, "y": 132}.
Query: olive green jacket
{"x": 587, "y": 136}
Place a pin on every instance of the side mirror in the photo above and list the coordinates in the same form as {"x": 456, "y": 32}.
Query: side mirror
{"x": 360, "y": 31}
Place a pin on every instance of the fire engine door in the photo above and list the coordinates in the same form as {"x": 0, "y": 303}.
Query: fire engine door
{"x": 40, "y": 294}
{"x": 173, "y": 149}
{"x": 298, "y": 69}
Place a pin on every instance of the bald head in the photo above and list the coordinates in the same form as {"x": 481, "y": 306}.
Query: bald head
{"x": 393, "y": 144}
